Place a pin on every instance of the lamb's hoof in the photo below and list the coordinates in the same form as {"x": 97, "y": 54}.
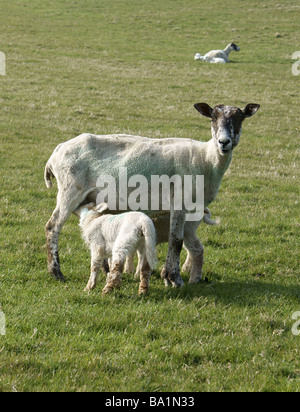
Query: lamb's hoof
{"x": 109, "y": 288}
{"x": 106, "y": 290}
{"x": 143, "y": 291}
{"x": 87, "y": 289}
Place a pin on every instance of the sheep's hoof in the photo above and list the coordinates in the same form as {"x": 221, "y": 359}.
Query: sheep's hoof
{"x": 58, "y": 275}
{"x": 164, "y": 273}
{"x": 178, "y": 283}
{"x": 172, "y": 277}
{"x": 167, "y": 283}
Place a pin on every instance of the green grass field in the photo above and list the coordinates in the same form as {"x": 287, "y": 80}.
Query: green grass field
{"x": 115, "y": 66}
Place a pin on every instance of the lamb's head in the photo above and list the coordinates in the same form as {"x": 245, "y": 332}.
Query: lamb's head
{"x": 234, "y": 47}
{"x": 226, "y": 124}
{"x": 102, "y": 209}
{"x": 84, "y": 208}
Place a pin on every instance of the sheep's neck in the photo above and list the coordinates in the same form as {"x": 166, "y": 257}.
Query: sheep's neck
{"x": 216, "y": 168}
{"x": 227, "y": 50}
{"x": 219, "y": 162}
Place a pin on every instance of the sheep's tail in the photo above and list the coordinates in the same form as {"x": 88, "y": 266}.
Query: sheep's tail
{"x": 48, "y": 175}
{"x": 149, "y": 233}
{"x": 207, "y": 218}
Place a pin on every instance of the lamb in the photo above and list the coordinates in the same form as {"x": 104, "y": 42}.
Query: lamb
{"x": 218, "y": 56}
{"x": 162, "y": 232}
{"x": 116, "y": 237}
{"x": 78, "y": 163}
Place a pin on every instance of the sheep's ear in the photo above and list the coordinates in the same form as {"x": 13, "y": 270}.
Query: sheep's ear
{"x": 250, "y": 109}
{"x": 102, "y": 208}
{"x": 204, "y": 109}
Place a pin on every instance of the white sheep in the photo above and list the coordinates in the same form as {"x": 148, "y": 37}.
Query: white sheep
{"x": 218, "y": 56}
{"x": 116, "y": 237}
{"x": 78, "y": 163}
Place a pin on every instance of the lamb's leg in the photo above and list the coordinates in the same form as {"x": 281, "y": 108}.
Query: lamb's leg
{"x": 96, "y": 264}
{"x": 114, "y": 278}
{"x": 104, "y": 266}
{"x": 145, "y": 273}
{"x": 139, "y": 265}
{"x": 187, "y": 266}
{"x": 194, "y": 262}
{"x": 129, "y": 264}
{"x": 171, "y": 270}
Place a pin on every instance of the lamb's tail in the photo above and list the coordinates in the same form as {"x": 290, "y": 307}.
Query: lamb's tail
{"x": 48, "y": 175}
{"x": 207, "y": 218}
{"x": 150, "y": 242}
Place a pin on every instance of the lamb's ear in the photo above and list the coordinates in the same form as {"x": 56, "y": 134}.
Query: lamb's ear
{"x": 204, "y": 109}
{"x": 102, "y": 208}
{"x": 250, "y": 109}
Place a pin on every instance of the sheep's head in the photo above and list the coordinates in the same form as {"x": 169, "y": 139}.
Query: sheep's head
{"x": 234, "y": 47}
{"x": 226, "y": 123}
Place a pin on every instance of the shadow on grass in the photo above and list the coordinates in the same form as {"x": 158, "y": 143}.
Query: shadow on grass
{"x": 248, "y": 291}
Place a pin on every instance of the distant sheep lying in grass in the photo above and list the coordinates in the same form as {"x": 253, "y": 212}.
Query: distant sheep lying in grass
{"x": 115, "y": 237}
{"x": 218, "y": 56}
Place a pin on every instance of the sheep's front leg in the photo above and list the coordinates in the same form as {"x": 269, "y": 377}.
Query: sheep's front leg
{"x": 194, "y": 262}
{"x": 171, "y": 270}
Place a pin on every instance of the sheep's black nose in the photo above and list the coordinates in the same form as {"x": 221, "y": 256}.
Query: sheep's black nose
{"x": 224, "y": 143}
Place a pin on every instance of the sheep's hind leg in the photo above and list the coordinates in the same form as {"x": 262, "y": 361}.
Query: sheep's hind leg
{"x": 67, "y": 202}
{"x": 52, "y": 231}
{"x": 194, "y": 262}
